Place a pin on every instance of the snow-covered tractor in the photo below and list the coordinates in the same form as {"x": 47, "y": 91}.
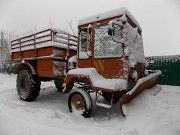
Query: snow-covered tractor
{"x": 110, "y": 62}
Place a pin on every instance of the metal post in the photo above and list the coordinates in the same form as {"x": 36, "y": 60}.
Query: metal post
{"x": 67, "y": 54}
{"x": 35, "y": 51}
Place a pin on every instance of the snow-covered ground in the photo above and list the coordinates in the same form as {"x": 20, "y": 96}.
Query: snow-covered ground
{"x": 49, "y": 115}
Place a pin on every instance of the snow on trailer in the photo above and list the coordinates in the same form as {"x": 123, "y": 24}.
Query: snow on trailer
{"x": 46, "y": 38}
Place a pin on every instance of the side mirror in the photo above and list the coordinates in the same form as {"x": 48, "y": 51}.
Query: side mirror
{"x": 117, "y": 33}
{"x": 110, "y": 31}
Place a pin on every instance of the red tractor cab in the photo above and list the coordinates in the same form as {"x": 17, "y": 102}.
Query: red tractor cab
{"x": 111, "y": 61}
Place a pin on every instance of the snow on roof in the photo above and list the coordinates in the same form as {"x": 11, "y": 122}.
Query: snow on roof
{"x": 109, "y": 14}
{"x": 99, "y": 81}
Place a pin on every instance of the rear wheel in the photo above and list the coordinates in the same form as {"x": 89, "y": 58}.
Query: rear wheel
{"x": 28, "y": 86}
{"x": 80, "y": 102}
{"x": 59, "y": 84}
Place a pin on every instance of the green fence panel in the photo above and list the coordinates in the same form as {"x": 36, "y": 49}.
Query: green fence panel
{"x": 169, "y": 66}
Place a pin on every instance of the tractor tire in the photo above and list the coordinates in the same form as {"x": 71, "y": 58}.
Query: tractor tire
{"x": 59, "y": 85}
{"x": 28, "y": 86}
{"x": 80, "y": 102}
{"x": 107, "y": 97}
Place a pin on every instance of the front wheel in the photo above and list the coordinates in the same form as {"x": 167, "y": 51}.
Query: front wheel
{"x": 80, "y": 102}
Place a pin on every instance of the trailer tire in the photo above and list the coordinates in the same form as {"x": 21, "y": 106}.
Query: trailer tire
{"x": 59, "y": 85}
{"x": 28, "y": 86}
{"x": 80, "y": 100}
{"x": 107, "y": 97}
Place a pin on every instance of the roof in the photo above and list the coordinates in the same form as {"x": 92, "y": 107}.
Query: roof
{"x": 109, "y": 14}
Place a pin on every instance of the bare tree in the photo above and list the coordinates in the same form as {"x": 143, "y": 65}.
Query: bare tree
{"x": 72, "y": 28}
{"x": 5, "y": 40}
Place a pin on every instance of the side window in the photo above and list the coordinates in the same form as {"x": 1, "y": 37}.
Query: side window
{"x": 85, "y": 43}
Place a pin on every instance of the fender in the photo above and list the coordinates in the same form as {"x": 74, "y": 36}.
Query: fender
{"x": 69, "y": 83}
{"x": 25, "y": 65}
{"x": 70, "y": 79}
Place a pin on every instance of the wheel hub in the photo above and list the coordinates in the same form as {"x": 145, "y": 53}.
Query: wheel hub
{"x": 78, "y": 102}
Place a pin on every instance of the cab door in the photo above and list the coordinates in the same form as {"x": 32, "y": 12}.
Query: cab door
{"x": 85, "y": 48}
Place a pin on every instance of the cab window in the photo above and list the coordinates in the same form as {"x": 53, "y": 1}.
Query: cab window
{"x": 85, "y": 41}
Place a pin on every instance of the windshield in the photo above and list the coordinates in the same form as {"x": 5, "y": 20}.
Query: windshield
{"x": 104, "y": 45}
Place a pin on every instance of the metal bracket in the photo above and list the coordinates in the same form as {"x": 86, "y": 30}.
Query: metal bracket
{"x": 98, "y": 94}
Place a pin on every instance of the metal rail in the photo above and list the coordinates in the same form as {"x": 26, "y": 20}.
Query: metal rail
{"x": 33, "y": 40}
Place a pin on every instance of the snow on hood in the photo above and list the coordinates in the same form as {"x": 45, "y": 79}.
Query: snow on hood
{"x": 99, "y": 81}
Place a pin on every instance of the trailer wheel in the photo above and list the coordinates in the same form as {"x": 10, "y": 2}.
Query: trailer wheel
{"x": 28, "y": 86}
{"x": 80, "y": 102}
{"x": 107, "y": 97}
{"x": 59, "y": 84}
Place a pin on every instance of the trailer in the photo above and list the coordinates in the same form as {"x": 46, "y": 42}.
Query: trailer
{"x": 107, "y": 59}
{"x": 41, "y": 56}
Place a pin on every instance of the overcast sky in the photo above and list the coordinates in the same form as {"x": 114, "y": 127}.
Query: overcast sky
{"x": 160, "y": 19}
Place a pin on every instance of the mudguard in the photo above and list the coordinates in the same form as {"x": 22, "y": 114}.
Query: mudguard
{"x": 68, "y": 83}
{"x": 21, "y": 65}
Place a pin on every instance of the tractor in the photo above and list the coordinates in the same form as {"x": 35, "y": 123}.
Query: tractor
{"x": 107, "y": 59}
